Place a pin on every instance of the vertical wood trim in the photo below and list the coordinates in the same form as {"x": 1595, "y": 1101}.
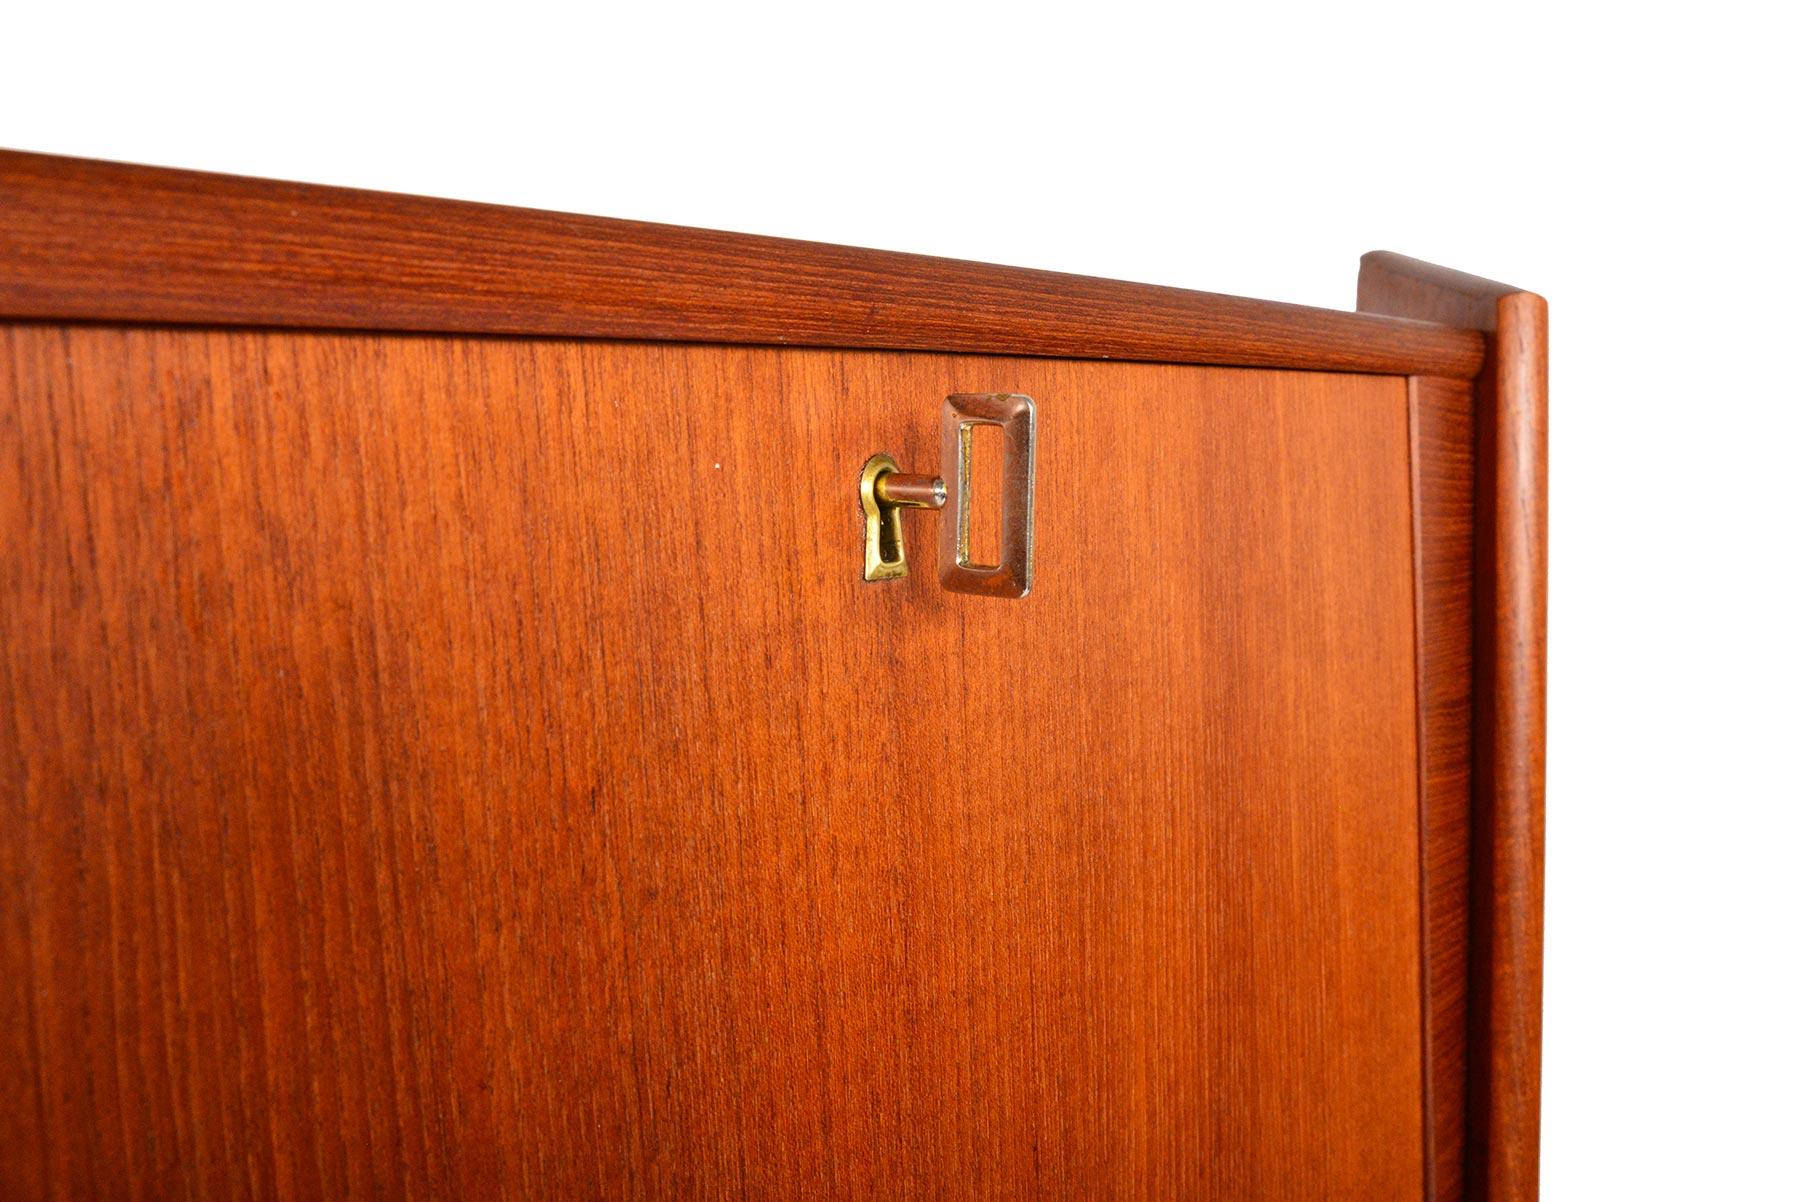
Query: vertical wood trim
{"x": 1512, "y": 530}
{"x": 1443, "y": 458}
{"x": 1507, "y": 849}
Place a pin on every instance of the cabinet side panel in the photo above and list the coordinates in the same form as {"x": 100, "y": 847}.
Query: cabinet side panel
{"x": 1507, "y": 810}
{"x": 1443, "y": 491}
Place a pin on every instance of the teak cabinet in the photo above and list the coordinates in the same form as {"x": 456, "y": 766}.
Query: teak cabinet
{"x": 450, "y": 749}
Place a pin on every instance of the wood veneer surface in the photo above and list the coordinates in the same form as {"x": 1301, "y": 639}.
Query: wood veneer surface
{"x": 440, "y": 767}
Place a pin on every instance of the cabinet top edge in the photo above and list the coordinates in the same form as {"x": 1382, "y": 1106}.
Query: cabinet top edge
{"x": 84, "y": 240}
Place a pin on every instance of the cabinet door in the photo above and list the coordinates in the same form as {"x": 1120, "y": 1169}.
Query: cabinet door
{"x": 476, "y": 766}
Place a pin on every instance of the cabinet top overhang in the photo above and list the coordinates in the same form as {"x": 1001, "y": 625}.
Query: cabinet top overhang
{"x": 82, "y": 240}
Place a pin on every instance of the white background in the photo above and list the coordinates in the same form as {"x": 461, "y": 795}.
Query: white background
{"x": 1635, "y": 164}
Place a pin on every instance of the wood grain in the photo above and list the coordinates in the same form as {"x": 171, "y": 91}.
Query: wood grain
{"x": 474, "y": 767}
{"x": 1507, "y": 850}
{"x": 81, "y": 240}
{"x": 1443, "y": 514}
